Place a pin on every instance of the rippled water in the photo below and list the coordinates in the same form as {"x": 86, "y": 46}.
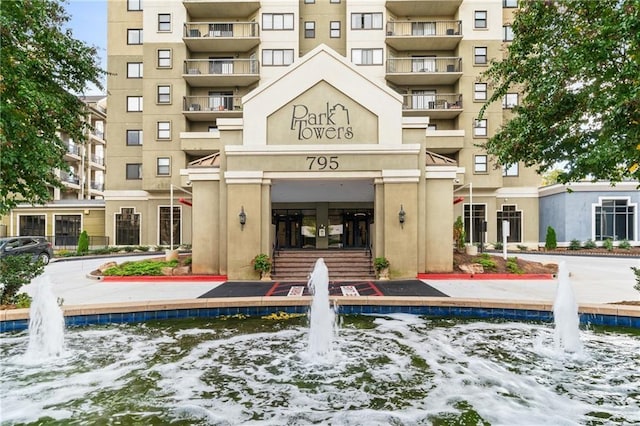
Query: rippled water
{"x": 391, "y": 370}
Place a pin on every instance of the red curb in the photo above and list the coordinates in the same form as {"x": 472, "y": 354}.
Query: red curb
{"x": 485, "y": 276}
{"x": 164, "y": 278}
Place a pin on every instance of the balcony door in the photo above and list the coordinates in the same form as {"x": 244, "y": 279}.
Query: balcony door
{"x": 423, "y": 99}
{"x": 423, "y": 28}
{"x": 220, "y": 30}
{"x": 220, "y": 101}
{"x": 221, "y": 65}
{"x": 423, "y": 64}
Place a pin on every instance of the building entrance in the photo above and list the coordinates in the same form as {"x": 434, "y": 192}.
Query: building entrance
{"x": 345, "y": 228}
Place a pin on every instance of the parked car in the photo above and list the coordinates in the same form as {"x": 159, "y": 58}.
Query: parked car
{"x": 38, "y": 247}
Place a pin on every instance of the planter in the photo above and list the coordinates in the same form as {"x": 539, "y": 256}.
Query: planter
{"x": 472, "y": 250}
{"x": 265, "y": 275}
{"x": 383, "y": 274}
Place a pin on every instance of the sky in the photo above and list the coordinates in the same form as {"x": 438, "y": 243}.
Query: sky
{"x": 88, "y": 22}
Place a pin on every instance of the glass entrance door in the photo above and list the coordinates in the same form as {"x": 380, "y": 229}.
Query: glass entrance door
{"x": 288, "y": 230}
{"x": 350, "y": 228}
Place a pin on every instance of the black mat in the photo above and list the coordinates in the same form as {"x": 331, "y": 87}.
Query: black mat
{"x": 365, "y": 288}
{"x": 239, "y": 289}
{"x": 408, "y": 288}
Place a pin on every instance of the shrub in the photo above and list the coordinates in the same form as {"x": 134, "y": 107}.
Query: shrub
{"x": 608, "y": 244}
{"x": 16, "y": 271}
{"x": 142, "y": 248}
{"x": 637, "y": 272}
{"x": 261, "y": 263}
{"x": 486, "y": 261}
{"x": 589, "y": 244}
{"x": 129, "y": 249}
{"x": 550, "y": 241}
{"x": 575, "y": 245}
{"x": 22, "y": 300}
{"x": 187, "y": 261}
{"x": 522, "y": 247}
{"x": 380, "y": 263}
{"x": 83, "y": 243}
{"x": 144, "y": 267}
{"x": 512, "y": 265}
{"x": 624, "y": 245}
{"x": 459, "y": 234}
{"x": 498, "y": 245}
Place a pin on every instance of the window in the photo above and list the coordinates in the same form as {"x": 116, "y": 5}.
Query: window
{"x": 32, "y": 225}
{"x": 479, "y": 215}
{"x": 480, "y": 91}
{"x": 164, "y": 224}
{"x": 134, "y": 69}
{"x": 163, "y": 166}
{"x": 277, "y": 57}
{"x": 163, "y": 130}
{"x": 480, "y": 164}
{"x": 134, "y": 171}
{"x": 67, "y": 229}
{"x": 134, "y": 5}
{"x": 509, "y": 3}
{"x": 134, "y": 36}
{"x": 366, "y": 21}
{"x": 615, "y": 219}
{"x": 334, "y": 1}
{"x": 514, "y": 217}
{"x": 164, "y": 58}
{"x": 510, "y": 100}
{"x": 366, "y": 56}
{"x": 164, "y": 22}
{"x": 480, "y": 128}
{"x": 480, "y": 55}
{"x": 334, "y": 29}
{"x": 277, "y": 21}
{"x": 507, "y": 33}
{"x": 127, "y": 227}
{"x": 134, "y": 137}
{"x": 309, "y": 29}
{"x": 309, "y": 1}
{"x": 510, "y": 171}
{"x": 134, "y": 103}
{"x": 480, "y": 19}
{"x": 164, "y": 94}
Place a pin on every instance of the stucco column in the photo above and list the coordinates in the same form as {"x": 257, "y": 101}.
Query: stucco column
{"x": 266, "y": 217}
{"x": 439, "y": 218}
{"x": 378, "y": 219}
{"x": 206, "y": 227}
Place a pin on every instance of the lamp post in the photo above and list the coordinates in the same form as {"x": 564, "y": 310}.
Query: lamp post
{"x": 171, "y": 186}
{"x": 470, "y": 185}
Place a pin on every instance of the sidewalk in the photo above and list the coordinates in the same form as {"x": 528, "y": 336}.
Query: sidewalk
{"x": 594, "y": 280}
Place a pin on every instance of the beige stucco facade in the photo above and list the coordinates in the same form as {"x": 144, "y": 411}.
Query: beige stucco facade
{"x": 320, "y": 138}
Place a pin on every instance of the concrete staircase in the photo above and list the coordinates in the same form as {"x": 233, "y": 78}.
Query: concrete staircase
{"x": 343, "y": 265}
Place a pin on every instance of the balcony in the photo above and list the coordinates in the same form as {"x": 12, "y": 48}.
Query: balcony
{"x": 73, "y": 152}
{"x": 424, "y": 35}
{"x": 423, "y": 7}
{"x": 208, "y": 108}
{"x": 70, "y": 180}
{"x": 97, "y": 187}
{"x": 221, "y": 72}
{"x": 424, "y": 70}
{"x": 221, "y": 8}
{"x": 445, "y": 141}
{"x": 97, "y": 135}
{"x": 200, "y": 143}
{"x": 221, "y": 36}
{"x": 442, "y": 106}
{"x": 97, "y": 161}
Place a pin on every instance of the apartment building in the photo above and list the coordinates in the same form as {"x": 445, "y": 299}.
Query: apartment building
{"x": 79, "y": 204}
{"x": 245, "y": 127}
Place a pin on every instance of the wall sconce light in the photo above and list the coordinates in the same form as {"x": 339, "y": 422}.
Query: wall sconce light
{"x": 401, "y": 216}
{"x": 242, "y": 216}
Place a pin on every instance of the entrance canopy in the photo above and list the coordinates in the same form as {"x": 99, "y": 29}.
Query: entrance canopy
{"x": 294, "y": 191}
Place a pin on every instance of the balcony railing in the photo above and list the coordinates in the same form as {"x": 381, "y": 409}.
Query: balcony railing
{"x": 194, "y": 67}
{"x": 424, "y": 65}
{"x": 69, "y": 178}
{"x": 221, "y": 29}
{"x": 98, "y": 186}
{"x": 212, "y": 103}
{"x": 73, "y": 149}
{"x": 423, "y": 28}
{"x": 97, "y": 159}
{"x": 98, "y": 133}
{"x": 432, "y": 102}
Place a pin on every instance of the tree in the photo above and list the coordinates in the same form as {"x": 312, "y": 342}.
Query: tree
{"x": 551, "y": 242}
{"x": 41, "y": 68}
{"x": 83, "y": 243}
{"x": 578, "y": 64}
{"x": 16, "y": 271}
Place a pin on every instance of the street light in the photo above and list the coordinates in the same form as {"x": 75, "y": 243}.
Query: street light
{"x": 171, "y": 186}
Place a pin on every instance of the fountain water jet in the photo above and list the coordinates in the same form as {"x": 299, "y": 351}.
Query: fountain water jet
{"x": 321, "y": 315}
{"x": 46, "y": 323}
{"x": 565, "y": 315}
